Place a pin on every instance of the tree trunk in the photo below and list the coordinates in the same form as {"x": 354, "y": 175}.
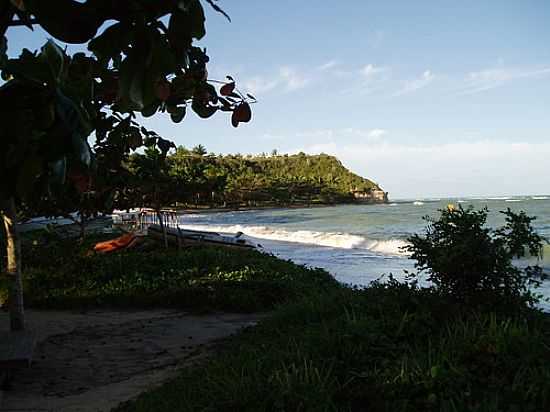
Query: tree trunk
{"x": 163, "y": 228}
{"x": 13, "y": 269}
{"x": 82, "y": 226}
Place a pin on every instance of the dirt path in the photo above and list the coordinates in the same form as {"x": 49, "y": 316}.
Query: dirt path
{"x": 93, "y": 361}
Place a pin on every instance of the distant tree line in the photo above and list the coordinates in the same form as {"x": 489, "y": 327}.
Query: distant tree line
{"x": 191, "y": 177}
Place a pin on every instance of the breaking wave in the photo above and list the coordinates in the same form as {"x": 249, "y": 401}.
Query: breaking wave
{"x": 328, "y": 239}
{"x": 388, "y": 247}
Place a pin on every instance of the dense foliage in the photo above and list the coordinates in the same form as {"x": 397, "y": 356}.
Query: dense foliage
{"x": 473, "y": 263}
{"x": 141, "y": 59}
{"x": 387, "y": 348}
{"x": 193, "y": 178}
{"x": 62, "y": 273}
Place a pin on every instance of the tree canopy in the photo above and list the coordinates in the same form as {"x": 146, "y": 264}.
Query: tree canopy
{"x": 140, "y": 59}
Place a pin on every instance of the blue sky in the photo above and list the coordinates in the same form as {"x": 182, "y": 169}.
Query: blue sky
{"x": 428, "y": 98}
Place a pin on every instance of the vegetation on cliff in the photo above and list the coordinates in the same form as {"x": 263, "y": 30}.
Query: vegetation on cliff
{"x": 195, "y": 178}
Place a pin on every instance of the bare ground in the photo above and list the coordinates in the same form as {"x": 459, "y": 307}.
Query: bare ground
{"x": 92, "y": 361}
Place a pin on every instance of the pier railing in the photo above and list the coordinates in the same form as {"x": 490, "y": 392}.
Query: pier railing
{"x": 141, "y": 219}
{"x": 146, "y": 217}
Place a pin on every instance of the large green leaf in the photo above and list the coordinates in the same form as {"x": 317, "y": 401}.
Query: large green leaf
{"x": 133, "y": 74}
{"x": 112, "y": 41}
{"x": 178, "y": 114}
{"x": 47, "y": 67}
{"x": 66, "y": 20}
{"x": 163, "y": 60}
{"x": 68, "y": 113}
{"x": 52, "y": 55}
{"x": 203, "y": 110}
{"x": 151, "y": 109}
{"x": 28, "y": 66}
{"x": 186, "y": 24}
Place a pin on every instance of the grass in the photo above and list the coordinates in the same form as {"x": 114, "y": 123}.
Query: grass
{"x": 387, "y": 348}
{"x": 64, "y": 274}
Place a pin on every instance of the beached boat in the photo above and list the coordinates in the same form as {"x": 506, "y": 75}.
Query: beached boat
{"x": 185, "y": 237}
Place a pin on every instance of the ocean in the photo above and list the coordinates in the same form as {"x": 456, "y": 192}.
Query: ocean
{"x": 360, "y": 243}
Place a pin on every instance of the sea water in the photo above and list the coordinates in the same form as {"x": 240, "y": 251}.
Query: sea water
{"x": 360, "y": 243}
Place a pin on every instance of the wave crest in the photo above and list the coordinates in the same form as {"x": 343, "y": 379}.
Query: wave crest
{"x": 388, "y": 247}
{"x": 328, "y": 239}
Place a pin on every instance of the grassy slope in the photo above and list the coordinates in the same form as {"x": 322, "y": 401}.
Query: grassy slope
{"x": 65, "y": 274}
{"x": 383, "y": 349}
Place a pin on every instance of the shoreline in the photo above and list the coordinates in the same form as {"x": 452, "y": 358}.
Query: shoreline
{"x": 208, "y": 210}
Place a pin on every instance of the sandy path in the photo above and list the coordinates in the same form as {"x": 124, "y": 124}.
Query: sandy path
{"x": 93, "y": 361}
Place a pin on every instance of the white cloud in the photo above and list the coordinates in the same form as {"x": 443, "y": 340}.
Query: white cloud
{"x": 376, "y": 134}
{"x": 372, "y": 78}
{"x": 418, "y": 83}
{"x": 287, "y": 78}
{"x": 292, "y": 79}
{"x": 479, "y": 81}
{"x": 328, "y": 65}
{"x": 348, "y": 134}
{"x": 260, "y": 84}
{"x": 455, "y": 169}
{"x": 370, "y": 71}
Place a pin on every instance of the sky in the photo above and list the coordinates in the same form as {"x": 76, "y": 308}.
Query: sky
{"x": 429, "y": 98}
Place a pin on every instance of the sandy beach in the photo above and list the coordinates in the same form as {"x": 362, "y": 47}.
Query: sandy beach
{"x": 92, "y": 361}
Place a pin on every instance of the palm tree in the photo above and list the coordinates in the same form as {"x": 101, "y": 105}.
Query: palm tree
{"x": 199, "y": 150}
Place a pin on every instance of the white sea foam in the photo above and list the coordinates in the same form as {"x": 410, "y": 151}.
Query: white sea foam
{"x": 387, "y": 247}
{"x": 418, "y": 203}
{"x": 514, "y": 200}
{"x": 308, "y": 237}
{"x": 540, "y": 198}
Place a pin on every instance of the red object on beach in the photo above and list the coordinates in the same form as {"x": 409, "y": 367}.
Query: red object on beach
{"x": 113, "y": 245}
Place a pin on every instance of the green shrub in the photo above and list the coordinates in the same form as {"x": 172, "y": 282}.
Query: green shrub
{"x": 473, "y": 263}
